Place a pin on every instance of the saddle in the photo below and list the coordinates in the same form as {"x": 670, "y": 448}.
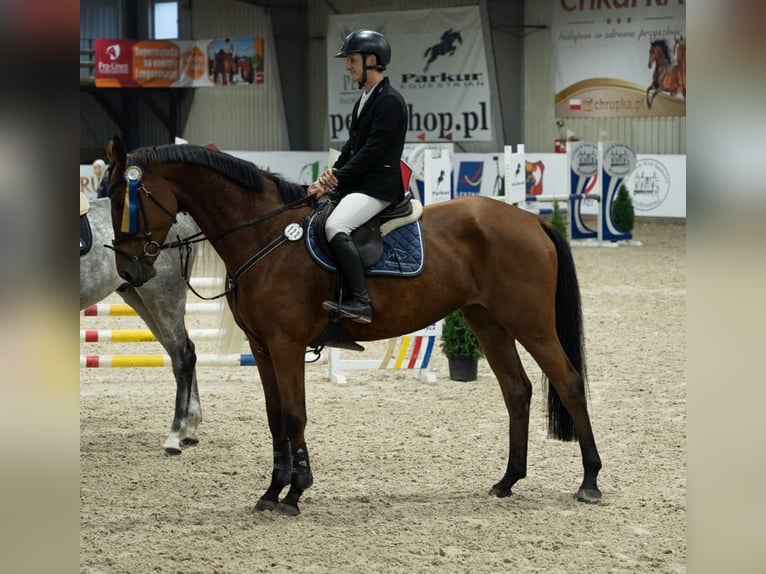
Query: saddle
{"x": 368, "y": 238}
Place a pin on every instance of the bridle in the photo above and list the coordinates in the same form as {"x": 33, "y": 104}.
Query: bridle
{"x": 136, "y": 190}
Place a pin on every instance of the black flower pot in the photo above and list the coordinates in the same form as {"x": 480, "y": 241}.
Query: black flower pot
{"x": 463, "y": 368}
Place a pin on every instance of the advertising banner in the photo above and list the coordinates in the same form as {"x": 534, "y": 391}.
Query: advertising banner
{"x": 620, "y": 58}
{"x": 437, "y": 64}
{"x": 438, "y": 181}
{"x": 178, "y": 63}
{"x": 515, "y": 174}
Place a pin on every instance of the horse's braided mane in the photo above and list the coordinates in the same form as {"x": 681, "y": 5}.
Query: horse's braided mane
{"x": 243, "y": 172}
{"x": 664, "y": 47}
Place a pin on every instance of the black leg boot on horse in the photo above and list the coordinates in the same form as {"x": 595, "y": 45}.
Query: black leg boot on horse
{"x": 356, "y": 306}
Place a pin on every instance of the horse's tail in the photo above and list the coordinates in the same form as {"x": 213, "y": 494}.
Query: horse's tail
{"x": 569, "y": 328}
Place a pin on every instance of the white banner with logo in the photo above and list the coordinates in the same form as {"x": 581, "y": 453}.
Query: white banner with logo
{"x": 606, "y": 55}
{"x": 437, "y": 64}
{"x": 438, "y": 181}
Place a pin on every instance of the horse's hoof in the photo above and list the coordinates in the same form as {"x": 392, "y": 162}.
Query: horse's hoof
{"x": 172, "y": 451}
{"x": 588, "y": 495}
{"x": 264, "y": 504}
{"x": 190, "y": 441}
{"x": 283, "y": 509}
{"x": 500, "y": 492}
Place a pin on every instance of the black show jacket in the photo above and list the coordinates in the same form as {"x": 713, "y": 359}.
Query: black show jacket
{"x": 369, "y": 160}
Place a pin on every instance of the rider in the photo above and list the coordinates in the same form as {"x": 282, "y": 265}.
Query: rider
{"x": 231, "y": 50}
{"x": 367, "y": 175}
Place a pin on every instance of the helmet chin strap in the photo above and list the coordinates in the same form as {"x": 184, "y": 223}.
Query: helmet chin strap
{"x": 365, "y": 67}
{"x": 363, "y": 81}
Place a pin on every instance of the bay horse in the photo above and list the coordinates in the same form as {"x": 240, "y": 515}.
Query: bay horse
{"x": 665, "y": 77}
{"x": 161, "y": 304}
{"x": 512, "y": 275}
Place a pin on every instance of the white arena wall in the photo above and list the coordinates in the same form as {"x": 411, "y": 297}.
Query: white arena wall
{"x": 668, "y": 172}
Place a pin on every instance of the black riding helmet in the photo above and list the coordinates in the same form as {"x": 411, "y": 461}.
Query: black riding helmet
{"x": 367, "y": 42}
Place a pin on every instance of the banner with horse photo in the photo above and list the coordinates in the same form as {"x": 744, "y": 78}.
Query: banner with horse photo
{"x": 619, "y": 59}
{"x": 437, "y": 64}
{"x": 178, "y": 63}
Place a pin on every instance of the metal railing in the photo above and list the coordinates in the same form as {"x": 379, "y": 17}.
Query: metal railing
{"x": 87, "y": 62}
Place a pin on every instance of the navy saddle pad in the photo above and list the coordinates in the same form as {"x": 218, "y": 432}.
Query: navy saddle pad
{"x": 403, "y": 251}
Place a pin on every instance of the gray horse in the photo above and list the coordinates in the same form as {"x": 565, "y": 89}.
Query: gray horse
{"x": 160, "y": 303}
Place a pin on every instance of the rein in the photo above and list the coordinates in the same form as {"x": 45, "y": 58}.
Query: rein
{"x": 286, "y": 207}
{"x": 247, "y": 265}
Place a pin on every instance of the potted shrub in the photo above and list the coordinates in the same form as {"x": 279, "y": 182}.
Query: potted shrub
{"x": 623, "y": 214}
{"x": 461, "y": 347}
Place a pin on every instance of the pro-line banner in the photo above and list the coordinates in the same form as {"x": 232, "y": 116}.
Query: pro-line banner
{"x": 437, "y": 63}
{"x": 607, "y": 55}
{"x": 178, "y": 63}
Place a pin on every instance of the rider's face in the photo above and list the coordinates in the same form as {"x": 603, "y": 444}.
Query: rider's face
{"x": 354, "y": 66}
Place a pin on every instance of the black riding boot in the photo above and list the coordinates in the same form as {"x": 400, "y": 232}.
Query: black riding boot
{"x": 356, "y": 306}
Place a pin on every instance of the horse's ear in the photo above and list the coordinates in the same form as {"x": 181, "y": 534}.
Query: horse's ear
{"x": 115, "y": 150}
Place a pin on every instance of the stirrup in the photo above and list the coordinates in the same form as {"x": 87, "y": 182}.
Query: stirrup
{"x": 356, "y": 315}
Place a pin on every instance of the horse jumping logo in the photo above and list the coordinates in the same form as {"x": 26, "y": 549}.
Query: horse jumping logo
{"x": 445, "y": 46}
